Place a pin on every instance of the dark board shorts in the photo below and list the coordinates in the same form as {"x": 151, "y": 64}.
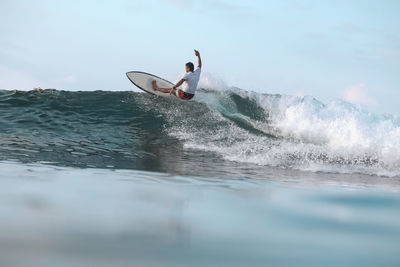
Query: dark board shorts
{"x": 183, "y": 95}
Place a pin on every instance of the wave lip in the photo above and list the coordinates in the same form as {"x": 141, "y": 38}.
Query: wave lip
{"x": 301, "y": 133}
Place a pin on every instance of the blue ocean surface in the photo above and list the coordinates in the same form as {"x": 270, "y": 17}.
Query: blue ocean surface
{"x": 233, "y": 178}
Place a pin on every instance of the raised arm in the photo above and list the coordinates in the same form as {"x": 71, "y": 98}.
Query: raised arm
{"x": 197, "y": 53}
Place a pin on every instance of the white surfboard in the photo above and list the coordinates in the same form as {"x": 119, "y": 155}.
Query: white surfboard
{"x": 143, "y": 81}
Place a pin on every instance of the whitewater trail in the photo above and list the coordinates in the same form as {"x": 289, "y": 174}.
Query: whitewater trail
{"x": 295, "y": 132}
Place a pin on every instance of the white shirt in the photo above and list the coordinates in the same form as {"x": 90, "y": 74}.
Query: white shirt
{"x": 191, "y": 81}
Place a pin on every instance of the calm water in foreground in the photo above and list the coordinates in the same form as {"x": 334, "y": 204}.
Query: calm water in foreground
{"x": 63, "y": 216}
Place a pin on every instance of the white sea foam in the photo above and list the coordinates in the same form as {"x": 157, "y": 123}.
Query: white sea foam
{"x": 309, "y": 135}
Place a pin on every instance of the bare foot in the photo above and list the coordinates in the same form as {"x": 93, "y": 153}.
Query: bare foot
{"x": 154, "y": 84}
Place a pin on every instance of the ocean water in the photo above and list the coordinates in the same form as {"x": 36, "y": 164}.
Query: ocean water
{"x": 233, "y": 178}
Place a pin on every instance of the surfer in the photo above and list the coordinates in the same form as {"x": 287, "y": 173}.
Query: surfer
{"x": 189, "y": 80}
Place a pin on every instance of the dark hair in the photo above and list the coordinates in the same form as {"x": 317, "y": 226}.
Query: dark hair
{"x": 190, "y": 66}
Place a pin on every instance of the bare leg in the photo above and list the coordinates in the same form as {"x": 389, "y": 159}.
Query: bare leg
{"x": 156, "y": 88}
{"x": 154, "y": 85}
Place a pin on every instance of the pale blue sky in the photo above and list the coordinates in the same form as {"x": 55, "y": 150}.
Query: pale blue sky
{"x": 328, "y": 49}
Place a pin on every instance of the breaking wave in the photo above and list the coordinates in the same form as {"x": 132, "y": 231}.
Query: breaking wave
{"x": 128, "y": 129}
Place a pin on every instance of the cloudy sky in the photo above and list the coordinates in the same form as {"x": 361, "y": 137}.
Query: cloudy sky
{"x": 347, "y": 49}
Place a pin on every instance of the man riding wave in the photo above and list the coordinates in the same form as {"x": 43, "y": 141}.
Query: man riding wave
{"x": 189, "y": 81}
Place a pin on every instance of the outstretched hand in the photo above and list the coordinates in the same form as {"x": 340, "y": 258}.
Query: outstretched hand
{"x": 197, "y": 53}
